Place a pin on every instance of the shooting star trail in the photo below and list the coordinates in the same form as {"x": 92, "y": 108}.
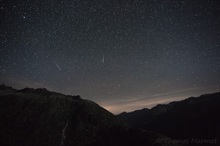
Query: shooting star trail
{"x": 58, "y": 67}
{"x": 103, "y": 59}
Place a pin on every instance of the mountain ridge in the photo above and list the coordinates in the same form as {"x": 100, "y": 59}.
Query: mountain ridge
{"x": 40, "y": 117}
{"x": 165, "y": 104}
{"x": 194, "y": 117}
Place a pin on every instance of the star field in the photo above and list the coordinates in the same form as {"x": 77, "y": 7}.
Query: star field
{"x": 124, "y": 55}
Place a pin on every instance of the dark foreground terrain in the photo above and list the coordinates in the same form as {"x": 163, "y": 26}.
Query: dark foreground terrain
{"x": 193, "y": 121}
{"x": 38, "y": 117}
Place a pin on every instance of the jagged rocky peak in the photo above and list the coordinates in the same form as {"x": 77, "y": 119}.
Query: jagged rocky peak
{"x": 74, "y": 96}
{"x": 4, "y": 90}
{"x": 38, "y": 91}
{"x": 160, "y": 108}
{"x": 26, "y": 90}
{"x": 35, "y": 91}
{"x": 4, "y": 87}
{"x": 123, "y": 113}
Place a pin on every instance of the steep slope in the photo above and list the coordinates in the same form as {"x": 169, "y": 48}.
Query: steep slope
{"x": 190, "y": 118}
{"x": 33, "y": 117}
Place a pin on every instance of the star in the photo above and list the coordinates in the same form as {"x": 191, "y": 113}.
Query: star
{"x": 58, "y": 67}
{"x": 150, "y": 47}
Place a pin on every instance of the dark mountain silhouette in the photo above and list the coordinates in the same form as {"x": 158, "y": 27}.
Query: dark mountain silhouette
{"x": 38, "y": 117}
{"x": 192, "y": 118}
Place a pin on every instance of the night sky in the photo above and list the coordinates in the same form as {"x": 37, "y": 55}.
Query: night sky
{"x": 122, "y": 54}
